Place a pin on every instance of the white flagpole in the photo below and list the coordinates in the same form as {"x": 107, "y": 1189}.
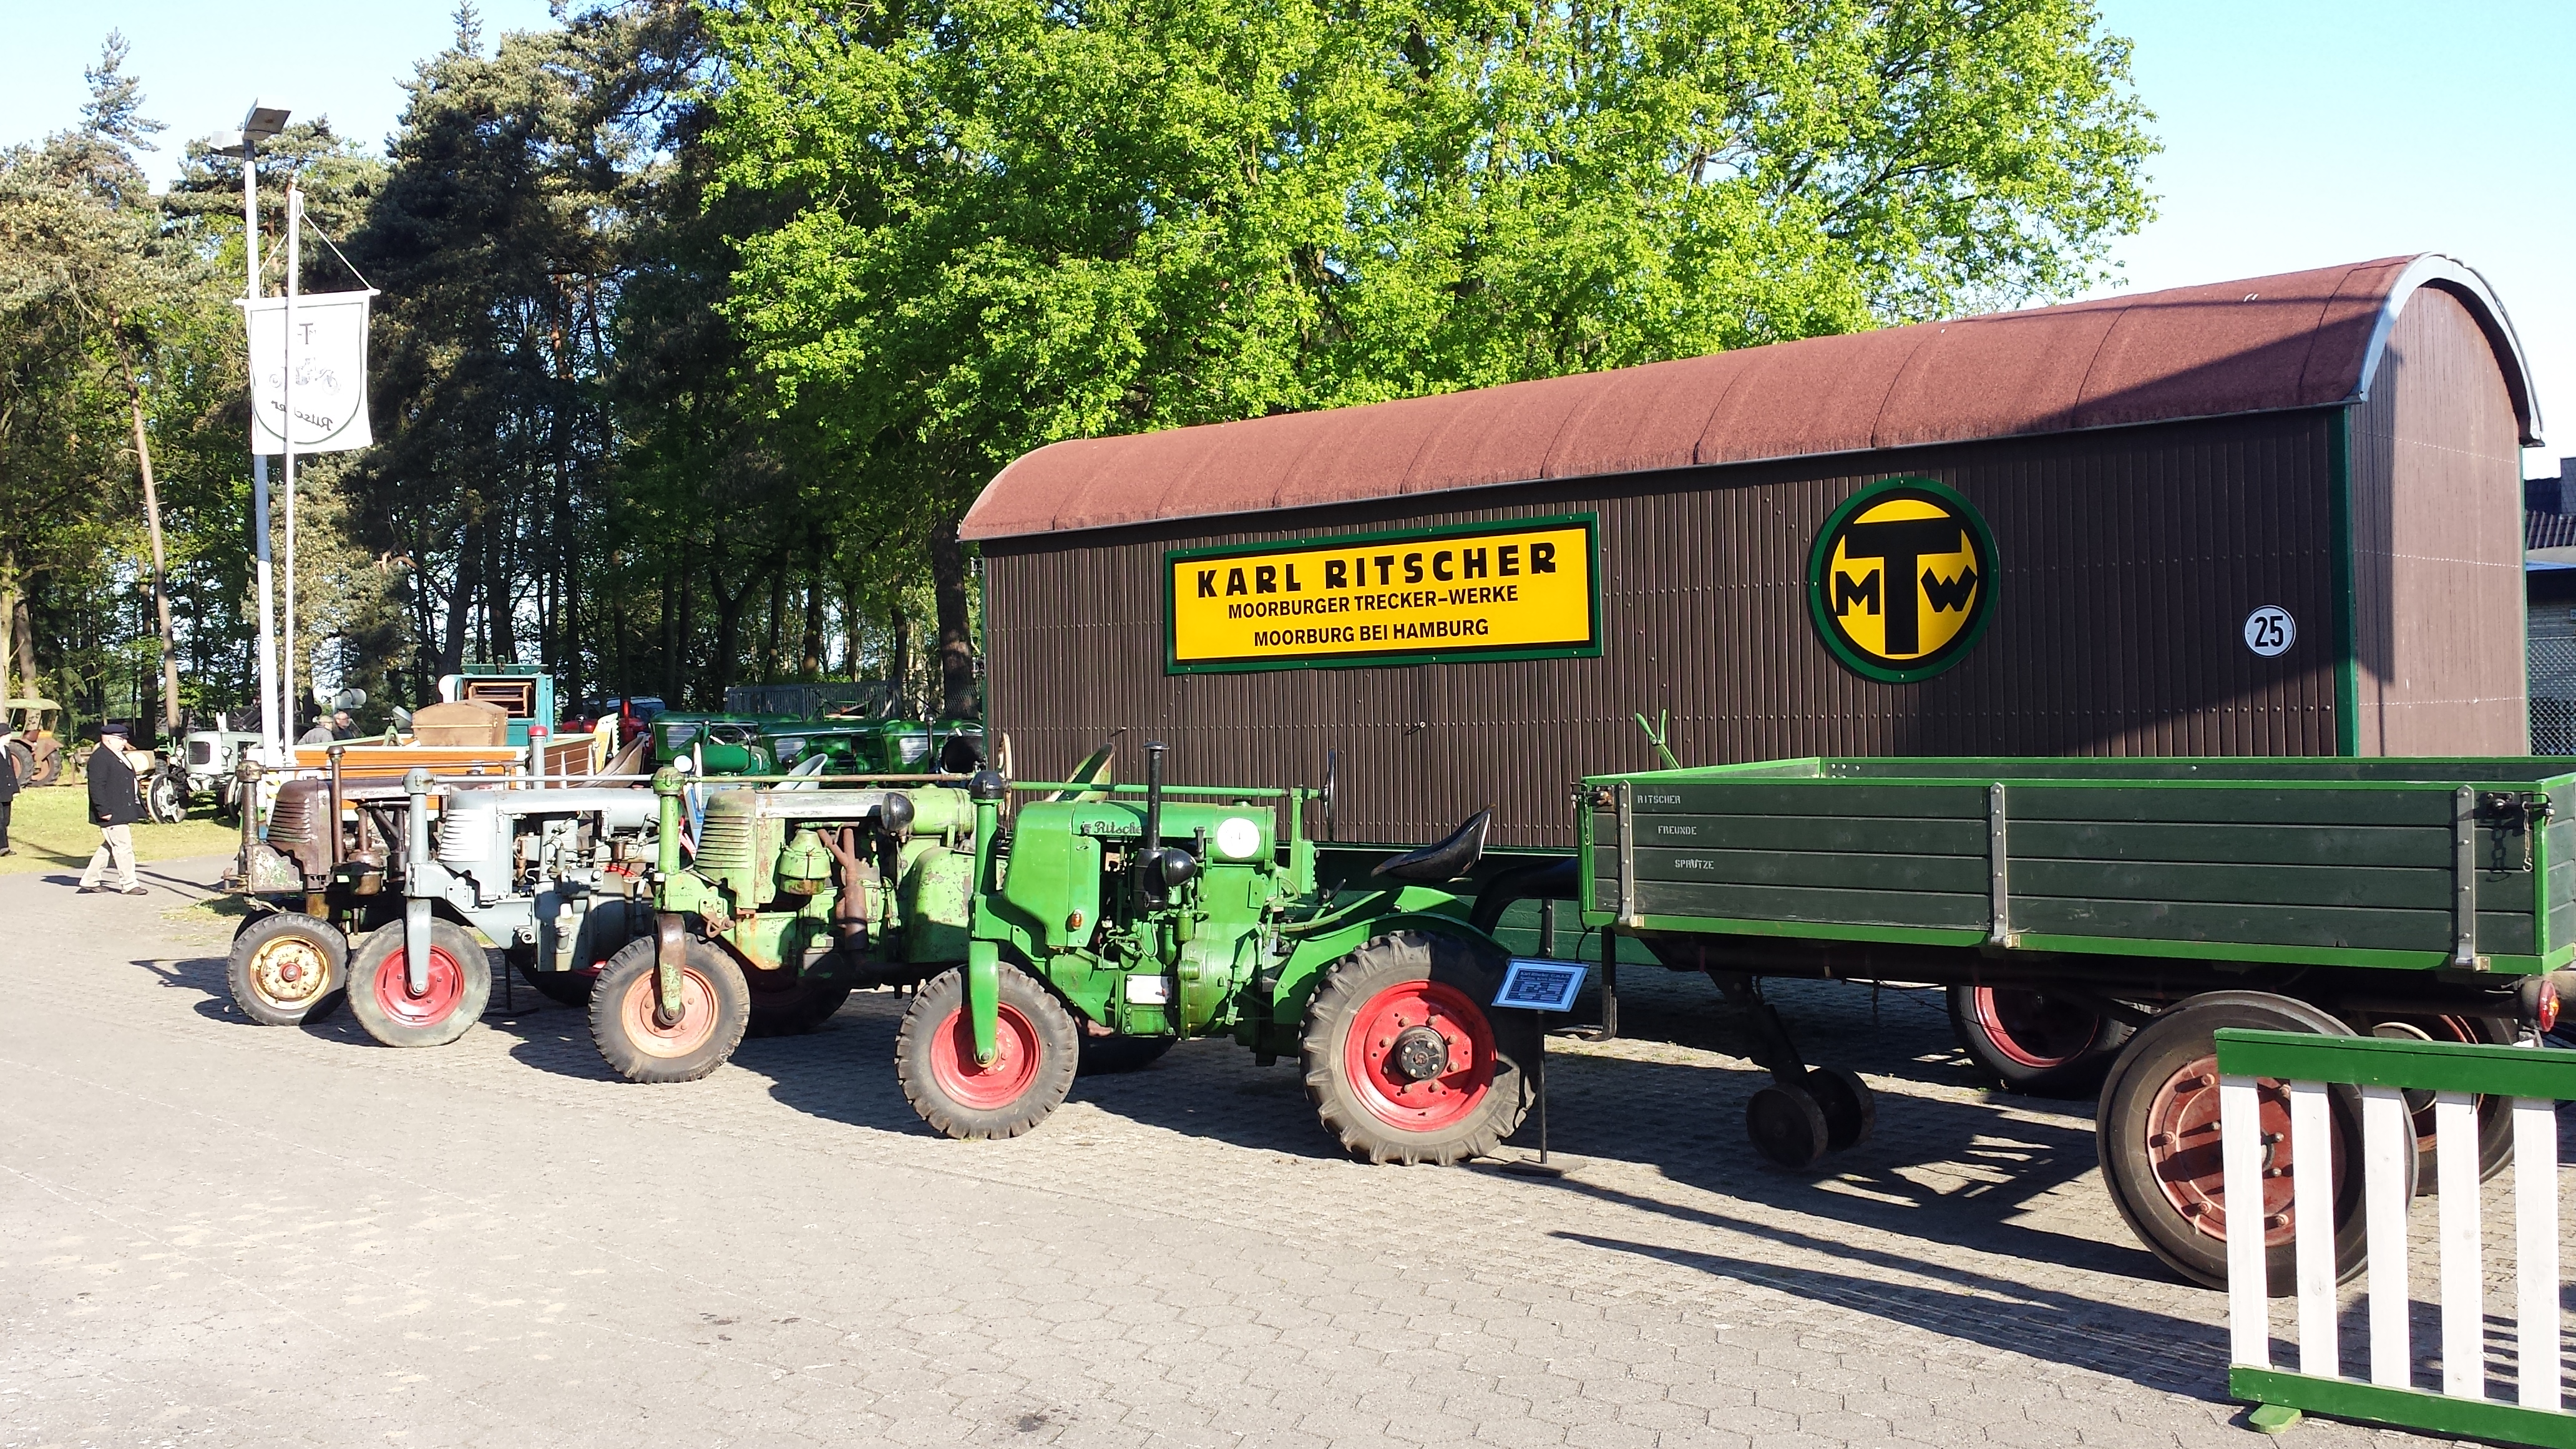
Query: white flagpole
{"x": 294, "y": 265}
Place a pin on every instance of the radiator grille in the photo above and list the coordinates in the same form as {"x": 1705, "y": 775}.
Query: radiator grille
{"x": 725, "y": 842}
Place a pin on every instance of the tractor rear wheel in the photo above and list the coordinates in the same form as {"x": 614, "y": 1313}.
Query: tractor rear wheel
{"x": 2157, "y": 1133}
{"x": 287, "y": 968}
{"x": 1402, "y": 1060}
{"x": 1035, "y": 1046}
{"x": 787, "y": 1005}
{"x": 165, "y": 798}
{"x": 1110, "y": 1056}
{"x": 626, "y": 1022}
{"x": 459, "y": 986}
{"x": 2035, "y": 1043}
{"x": 564, "y": 988}
{"x": 2495, "y": 1114}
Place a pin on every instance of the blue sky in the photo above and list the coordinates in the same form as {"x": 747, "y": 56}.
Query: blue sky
{"x": 2298, "y": 133}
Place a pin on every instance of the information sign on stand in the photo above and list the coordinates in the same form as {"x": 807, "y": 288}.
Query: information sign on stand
{"x": 1534, "y": 984}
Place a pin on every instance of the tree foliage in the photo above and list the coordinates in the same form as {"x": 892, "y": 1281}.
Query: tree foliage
{"x": 704, "y": 322}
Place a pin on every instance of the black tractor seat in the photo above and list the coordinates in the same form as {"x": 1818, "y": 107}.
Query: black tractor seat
{"x": 1447, "y": 860}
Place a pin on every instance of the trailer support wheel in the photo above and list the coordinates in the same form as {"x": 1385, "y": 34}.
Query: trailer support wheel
{"x": 1035, "y": 1044}
{"x": 1788, "y": 1126}
{"x": 459, "y": 986}
{"x": 627, "y": 1026}
{"x": 1401, "y": 1060}
{"x": 1850, "y": 1107}
{"x": 287, "y": 968}
{"x": 2157, "y": 1134}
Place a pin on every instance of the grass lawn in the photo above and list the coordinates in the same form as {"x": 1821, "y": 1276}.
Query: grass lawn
{"x": 50, "y": 830}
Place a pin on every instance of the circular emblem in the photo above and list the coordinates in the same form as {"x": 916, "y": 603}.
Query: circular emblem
{"x": 2270, "y": 631}
{"x": 1901, "y": 580}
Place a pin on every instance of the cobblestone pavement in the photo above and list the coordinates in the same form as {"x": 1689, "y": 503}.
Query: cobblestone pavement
{"x": 222, "y": 1233}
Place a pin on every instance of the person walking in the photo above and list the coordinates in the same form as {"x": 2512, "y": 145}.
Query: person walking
{"x": 8, "y": 795}
{"x": 115, "y": 803}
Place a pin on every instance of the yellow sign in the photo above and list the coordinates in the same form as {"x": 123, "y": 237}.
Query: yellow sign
{"x": 1902, "y": 579}
{"x": 1517, "y": 591}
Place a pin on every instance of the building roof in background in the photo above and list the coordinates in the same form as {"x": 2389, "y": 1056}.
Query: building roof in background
{"x": 2297, "y": 340}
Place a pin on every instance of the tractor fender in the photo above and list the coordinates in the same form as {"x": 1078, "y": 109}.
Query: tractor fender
{"x": 1304, "y": 969}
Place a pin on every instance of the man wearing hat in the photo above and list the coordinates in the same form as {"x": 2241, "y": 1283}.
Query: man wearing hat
{"x": 115, "y": 803}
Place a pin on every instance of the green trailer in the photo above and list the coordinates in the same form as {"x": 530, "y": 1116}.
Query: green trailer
{"x": 2095, "y": 921}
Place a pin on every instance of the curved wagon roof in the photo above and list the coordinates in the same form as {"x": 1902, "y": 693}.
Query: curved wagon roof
{"x": 2263, "y": 344}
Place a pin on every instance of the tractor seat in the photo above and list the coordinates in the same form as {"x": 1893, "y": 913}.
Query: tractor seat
{"x": 1448, "y": 860}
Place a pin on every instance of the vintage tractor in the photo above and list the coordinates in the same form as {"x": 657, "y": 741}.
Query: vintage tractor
{"x": 795, "y": 896}
{"x": 35, "y": 751}
{"x": 1160, "y": 918}
{"x": 713, "y": 744}
{"x": 880, "y": 747}
{"x": 348, "y": 881}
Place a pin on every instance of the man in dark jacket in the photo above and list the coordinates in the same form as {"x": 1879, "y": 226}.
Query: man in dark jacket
{"x": 8, "y": 795}
{"x": 115, "y": 803}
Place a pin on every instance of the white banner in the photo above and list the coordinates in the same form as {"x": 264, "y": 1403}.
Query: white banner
{"x": 330, "y": 393}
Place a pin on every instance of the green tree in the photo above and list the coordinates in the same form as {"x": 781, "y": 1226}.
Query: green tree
{"x": 1007, "y": 222}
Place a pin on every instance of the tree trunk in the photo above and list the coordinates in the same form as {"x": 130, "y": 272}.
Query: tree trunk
{"x": 728, "y": 633}
{"x": 777, "y": 618}
{"x": 956, "y": 641}
{"x": 499, "y": 589}
{"x": 460, "y": 598}
{"x": 899, "y": 657}
{"x": 8, "y": 626}
{"x": 850, "y": 629}
{"x": 160, "y": 562}
{"x": 809, "y": 665}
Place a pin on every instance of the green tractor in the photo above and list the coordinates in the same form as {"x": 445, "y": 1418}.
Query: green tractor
{"x": 714, "y": 744}
{"x": 1100, "y": 916}
{"x": 880, "y": 747}
{"x": 795, "y": 895}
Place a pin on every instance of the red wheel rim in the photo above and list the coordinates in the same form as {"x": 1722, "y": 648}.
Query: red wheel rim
{"x": 984, "y": 1087}
{"x": 696, "y": 1022}
{"x": 2033, "y": 1031}
{"x": 2182, "y": 1149}
{"x": 1370, "y": 1058}
{"x": 393, "y": 991}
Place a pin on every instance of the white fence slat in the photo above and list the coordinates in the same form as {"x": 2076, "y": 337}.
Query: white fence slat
{"x": 2312, "y": 1222}
{"x": 2388, "y": 1139}
{"x": 2240, "y": 1149}
{"x": 2535, "y": 1224}
{"x": 2464, "y": 1362}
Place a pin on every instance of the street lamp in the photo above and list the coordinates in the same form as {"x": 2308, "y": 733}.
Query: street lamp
{"x": 263, "y": 121}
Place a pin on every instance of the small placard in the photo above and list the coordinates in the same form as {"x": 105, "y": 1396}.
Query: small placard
{"x": 1538, "y": 985}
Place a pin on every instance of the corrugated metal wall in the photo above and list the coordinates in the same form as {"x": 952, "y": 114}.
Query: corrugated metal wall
{"x": 2128, "y": 562}
{"x": 2437, "y": 538}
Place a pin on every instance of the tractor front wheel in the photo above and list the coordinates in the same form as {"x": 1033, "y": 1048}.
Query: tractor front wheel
{"x": 627, "y": 1025}
{"x": 458, "y": 987}
{"x": 1402, "y": 1060}
{"x": 1035, "y": 1047}
{"x": 287, "y": 968}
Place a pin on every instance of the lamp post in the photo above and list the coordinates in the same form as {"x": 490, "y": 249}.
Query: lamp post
{"x": 261, "y": 122}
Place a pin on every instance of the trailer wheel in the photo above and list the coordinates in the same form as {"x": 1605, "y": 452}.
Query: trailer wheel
{"x": 626, "y": 1024}
{"x": 1110, "y": 1056}
{"x": 1850, "y": 1107}
{"x": 1401, "y": 1060}
{"x": 459, "y": 986}
{"x": 1036, "y": 1044}
{"x": 2034, "y": 1043}
{"x": 2157, "y": 1135}
{"x": 2495, "y": 1114}
{"x": 287, "y": 968}
{"x": 1787, "y": 1125}
{"x": 792, "y": 1007}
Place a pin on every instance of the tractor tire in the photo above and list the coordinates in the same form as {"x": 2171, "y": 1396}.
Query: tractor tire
{"x": 1036, "y": 1044}
{"x": 715, "y": 1009}
{"x": 460, "y": 986}
{"x": 288, "y": 968}
{"x": 563, "y": 988}
{"x": 1403, "y": 1063}
{"x": 165, "y": 798}
{"x": 23, "y": 760}
{"x": 2156, "y": 1131}
{"x": 2030, "y": 1043}
{"x": 45, "y": 771}
{"x": 1111, "y": 1056}
{"x": 792, "y": 1006}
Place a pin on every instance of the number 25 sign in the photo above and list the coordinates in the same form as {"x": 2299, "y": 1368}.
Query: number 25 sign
{"x": 2270, "y": 631}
